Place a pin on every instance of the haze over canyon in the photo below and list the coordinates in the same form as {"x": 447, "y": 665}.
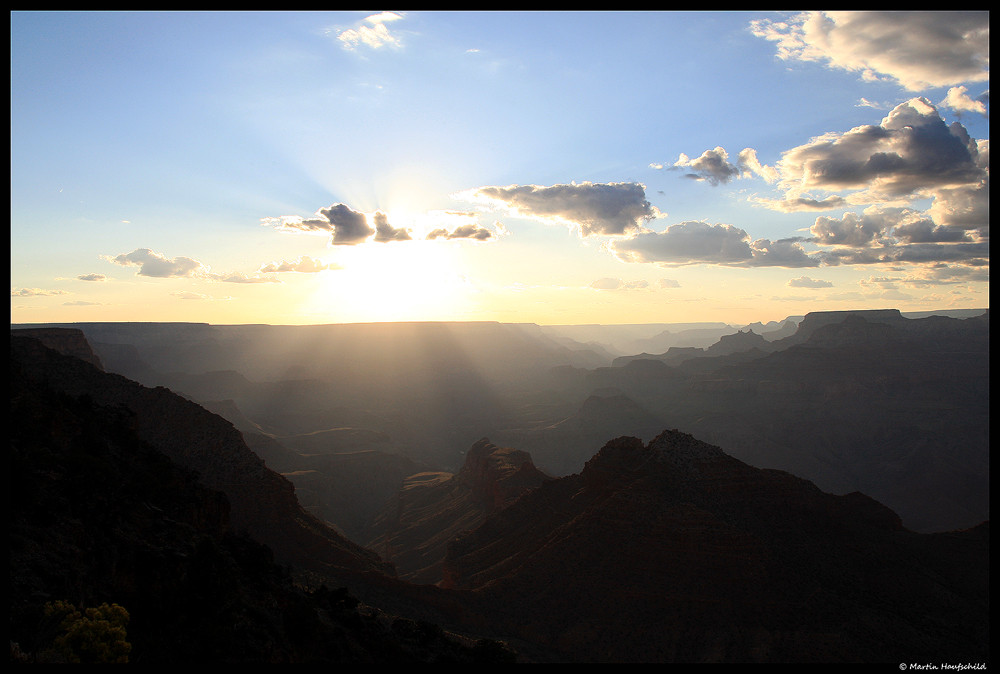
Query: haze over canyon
{"x": 814, "y": 489}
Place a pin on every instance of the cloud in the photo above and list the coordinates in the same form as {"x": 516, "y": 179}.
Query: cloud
{"x": 714, "y": 166}
{"x": 158, "y": 266}
{"x": 155, "y": 265}
{"x": 92, "y": 277}
{"x": 749, "y": 164}
{"x": 35, "y": 292}
{"x": 463, "y": 232}
{"x": 910, "y": 151}
{"x": 972, "y": 253}
{"x": 611, "y": 209}
{"x": 303, "y": 265}
{"x": 806, "y": 282}
{"x": 669, "y": 283}
{"x": 881, "y": 235}
{"x": 781, "y": 253}
{"x": 796, "y": 204}
{"x": 239, "y": 277}
{"x": 695, "y": 242}
{"x": 384, "y": 232}
{"x": 853, "y": 229}
{"x": 919, "y": 50}
{"x": 374, "y": 36}
{"x": 618, "y": 284}
{"x": 924, "y": 230}
{"x": 958, "y": 100}
{"x": 865, "y": 103}
{"x": 943, "y": 274}
{"x": 966, "y": 207}
{"x": 347, "y": 226}
{"x": 686, "y": 243}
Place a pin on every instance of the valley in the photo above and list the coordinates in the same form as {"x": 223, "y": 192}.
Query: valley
{"x": 478, "y": 476}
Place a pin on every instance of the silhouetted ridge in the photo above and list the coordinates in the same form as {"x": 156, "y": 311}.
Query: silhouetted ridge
{"x": 262, "y": 502}
{"x": 674, "y": 551}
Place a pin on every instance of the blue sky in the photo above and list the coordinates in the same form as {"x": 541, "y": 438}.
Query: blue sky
{"x": 539, "y": 167}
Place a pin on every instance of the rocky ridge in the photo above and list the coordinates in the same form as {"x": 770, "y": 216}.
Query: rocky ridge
{"x": 413, "y": 531}
{"x": 675, "y": 551}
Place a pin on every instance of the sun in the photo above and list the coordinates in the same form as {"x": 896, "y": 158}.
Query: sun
{"x": 397, "y": 281}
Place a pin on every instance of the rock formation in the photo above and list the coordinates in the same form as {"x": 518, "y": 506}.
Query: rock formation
{"x": 675, "y": 551}
{"x": 432, "y": 508}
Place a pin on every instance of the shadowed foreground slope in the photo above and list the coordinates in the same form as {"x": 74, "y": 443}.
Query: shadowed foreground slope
{"x": 100, "y": 515}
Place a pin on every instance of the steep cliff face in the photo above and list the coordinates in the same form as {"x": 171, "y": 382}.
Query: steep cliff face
{"x": 65, "y": 340}
{"x": 675, "y": 551}
{"x": 262, "y": 502}
{"x": 432, "y": 508}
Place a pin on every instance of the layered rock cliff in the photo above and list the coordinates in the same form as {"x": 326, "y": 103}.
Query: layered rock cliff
{"x": 432, "y": 508}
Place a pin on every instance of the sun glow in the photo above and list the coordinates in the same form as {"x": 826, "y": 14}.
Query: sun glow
{"x": 398, "y": 281}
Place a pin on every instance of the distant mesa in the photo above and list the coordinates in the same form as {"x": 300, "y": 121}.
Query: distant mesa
{"x": 65, "y": 340}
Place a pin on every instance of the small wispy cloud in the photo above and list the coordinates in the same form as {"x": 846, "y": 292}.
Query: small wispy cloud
{"x": 375, "y": 35}
{"x": 806, "y": 282}
{"x": 303, "y": 265}
{"x": 618, "y": 284}
{"x": 35, "y": 292}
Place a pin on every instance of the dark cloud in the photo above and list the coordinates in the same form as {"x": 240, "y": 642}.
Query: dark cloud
{"x": 911, "y": 151}
{"x": 347, "y": 226}
{"x": 925, "y": 231}
{"x": 595, "y": 208}
{"x": 92, "y": 277}
{"x": 384, "y": 232}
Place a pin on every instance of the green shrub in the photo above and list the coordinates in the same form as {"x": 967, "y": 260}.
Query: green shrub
{"x": 91, "y": 635}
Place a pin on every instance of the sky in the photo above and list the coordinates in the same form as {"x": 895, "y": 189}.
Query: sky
{"x": 525, "y": 167}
